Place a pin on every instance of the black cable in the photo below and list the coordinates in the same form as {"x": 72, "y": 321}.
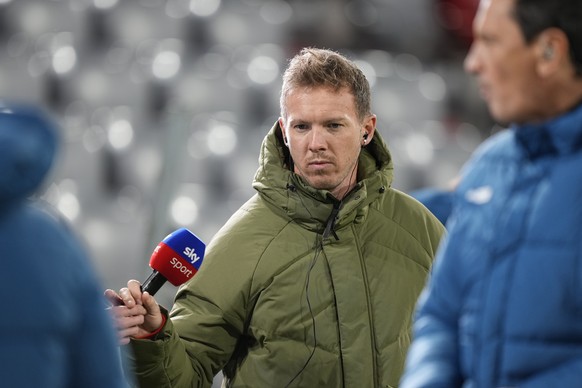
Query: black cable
{"x": 318, "y": 250}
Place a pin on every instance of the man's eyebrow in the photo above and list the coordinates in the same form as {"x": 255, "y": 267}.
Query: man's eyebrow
{"x": 335, "y": 120}
{"x": 297, "y": 121}
{"x": 326, "y": 121}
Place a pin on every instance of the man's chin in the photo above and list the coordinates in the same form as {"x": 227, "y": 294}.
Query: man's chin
{"x": 319, "y": 184}
{"x": 499, "y": 114}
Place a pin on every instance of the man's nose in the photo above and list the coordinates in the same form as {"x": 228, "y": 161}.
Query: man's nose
{"x": 318, "y": 139}
{"x": 472, "y": 62}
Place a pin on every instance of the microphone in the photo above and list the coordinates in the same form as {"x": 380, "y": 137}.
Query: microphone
{"x": 176, "y": 259}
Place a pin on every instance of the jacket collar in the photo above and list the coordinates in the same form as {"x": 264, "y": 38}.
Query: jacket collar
{"x": 561, "y": 135}
{"x": 288, "y": 194}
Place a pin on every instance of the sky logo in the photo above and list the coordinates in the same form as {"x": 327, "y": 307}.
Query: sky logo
{"x": 191, "y": 255}
{"x": 187, "y": 245}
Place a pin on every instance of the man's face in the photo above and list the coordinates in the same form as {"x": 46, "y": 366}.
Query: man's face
{"x": 325, "y": 137}
{"x": 505, "y": 66}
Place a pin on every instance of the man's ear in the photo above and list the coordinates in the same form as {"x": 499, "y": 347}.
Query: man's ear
{"x": 282, "y": 126}
{"x": 368, "y": 130}
{"x": 552, "y": 51}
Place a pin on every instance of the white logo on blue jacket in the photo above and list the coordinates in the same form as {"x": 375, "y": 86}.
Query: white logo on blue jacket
{"x": 480, "y": 195}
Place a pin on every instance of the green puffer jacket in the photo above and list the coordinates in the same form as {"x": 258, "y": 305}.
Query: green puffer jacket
{"x": 276, "y": 303}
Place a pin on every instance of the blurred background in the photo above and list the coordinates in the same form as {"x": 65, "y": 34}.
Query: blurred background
{"x": 163, "y": 104}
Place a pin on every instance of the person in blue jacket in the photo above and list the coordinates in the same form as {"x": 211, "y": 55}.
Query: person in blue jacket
{"x": 54, "y": 331}
{"x": 503, "y": 305}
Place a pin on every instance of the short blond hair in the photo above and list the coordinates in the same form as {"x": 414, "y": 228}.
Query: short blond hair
{"x": 314, "y": 67}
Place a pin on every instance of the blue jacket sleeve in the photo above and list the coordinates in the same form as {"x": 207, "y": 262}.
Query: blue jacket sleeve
{"x": 432, "y": 359}
{"x": 95, "y": 359}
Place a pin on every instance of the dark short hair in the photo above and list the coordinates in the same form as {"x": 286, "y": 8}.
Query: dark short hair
{"x": 314, "y": 67}
{"x": 534, "y": 16}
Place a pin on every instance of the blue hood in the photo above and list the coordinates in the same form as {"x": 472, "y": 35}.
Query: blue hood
{"x": 28, "y": 144}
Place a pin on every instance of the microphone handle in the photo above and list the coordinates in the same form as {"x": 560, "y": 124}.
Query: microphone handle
{"x": 153, "y": 283}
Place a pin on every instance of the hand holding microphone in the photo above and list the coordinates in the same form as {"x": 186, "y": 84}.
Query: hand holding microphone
{"x": 176, "y": 259}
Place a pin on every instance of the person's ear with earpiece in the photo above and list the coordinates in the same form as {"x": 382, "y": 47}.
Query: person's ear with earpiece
{"x": 548, "y": 52}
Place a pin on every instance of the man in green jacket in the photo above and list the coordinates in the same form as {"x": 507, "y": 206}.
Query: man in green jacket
{"x": 312, "y": 282}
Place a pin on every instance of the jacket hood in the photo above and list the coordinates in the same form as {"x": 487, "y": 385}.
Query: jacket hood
{"x": 28, "y": 143}
{"x": 288, "y": 193}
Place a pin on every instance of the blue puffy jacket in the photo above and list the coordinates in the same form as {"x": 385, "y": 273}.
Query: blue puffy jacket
{"x": 54, "y": 330}
{"x": 503, "y": 306}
